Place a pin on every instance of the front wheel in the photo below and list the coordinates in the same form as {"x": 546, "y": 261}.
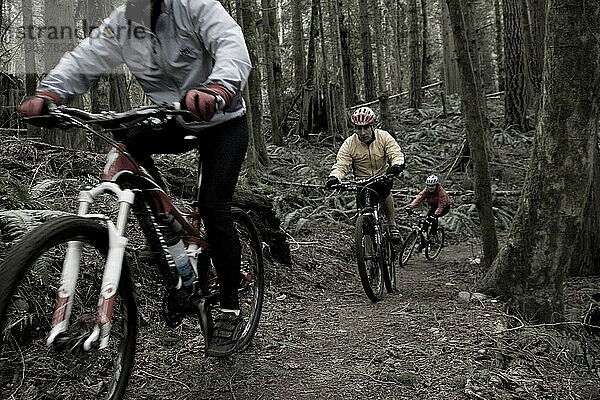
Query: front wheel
{"x": 370, "y": 268}
{"x": 409, "y": 246}
{"x": 251, "y": 287}
{"x": 29, "y": 281}
{"x": 390, "y": 263}
{"x": 435, "y": 244}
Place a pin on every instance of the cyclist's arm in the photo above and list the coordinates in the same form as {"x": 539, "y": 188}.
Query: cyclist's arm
{"x": 419, "y": 198}
{"x": 224, "y": 40}
{"x": 443, "y": 201}
{"x": 77, "y": 69}
{"x": 343, "y": 161}
{"x": 393, "y": 151}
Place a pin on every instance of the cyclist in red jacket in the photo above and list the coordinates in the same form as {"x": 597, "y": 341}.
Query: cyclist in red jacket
{"x": 437, "y": 199}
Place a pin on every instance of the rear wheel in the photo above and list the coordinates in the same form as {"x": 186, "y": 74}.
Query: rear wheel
{"x": 370, "y": 264}
{"x": 251, "y": 287}
{"x": 409, "y": 246}
{"x": 29, "y": 281}
{"x": 435, "y": 244}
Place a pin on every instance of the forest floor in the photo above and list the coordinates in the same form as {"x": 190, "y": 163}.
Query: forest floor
{"x": 319, "y": 336}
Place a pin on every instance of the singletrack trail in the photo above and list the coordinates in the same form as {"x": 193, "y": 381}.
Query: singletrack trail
{"x": 321, "y": 338}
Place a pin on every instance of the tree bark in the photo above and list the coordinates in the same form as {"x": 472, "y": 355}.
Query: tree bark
{"x": 350, "y": 87}
{"x": 367, "y": 53}
{"x": 413, "y": 50}
{"x": 562, "y": 179}
{"x": 384, "y": 111}
{"x": 499, "y": 45}
{"x": 258, "y": 155}
{"x": 450, "y": 65}
{"x": 538, "y": 20}
{"x": 298, "y": 44}
{"x": 326, "y": 88}
{"x": 338, "y": 87}
{"x": 59, "y": 14}
{"x": 425, "y": 56}
{"x": 273, "y": 67}
{"x": 515, "y": 101}
{"x": 305, "y": 125}
{"x": 528, "y": 56}
{"x": 476, "y": 120}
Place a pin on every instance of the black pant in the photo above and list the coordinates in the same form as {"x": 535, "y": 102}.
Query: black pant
{"x": 366, "y": 197}
{"x": 222, "y": 150}
{"x": 434, "y": 224}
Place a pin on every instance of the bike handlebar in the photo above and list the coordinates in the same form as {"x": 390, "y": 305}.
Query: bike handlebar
{"x": 349, "y": 185}
{"x": 64, "y": 116}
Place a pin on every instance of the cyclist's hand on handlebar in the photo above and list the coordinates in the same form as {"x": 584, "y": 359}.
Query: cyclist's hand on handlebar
{"x": 395, "y": 169}
{"x": 203, "y": 103}
{"x": 331, "y": 182}
{"x": 39, "y": 105}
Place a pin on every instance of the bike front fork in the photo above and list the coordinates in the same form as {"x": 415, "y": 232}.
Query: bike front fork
{"x": 112, "y": 269}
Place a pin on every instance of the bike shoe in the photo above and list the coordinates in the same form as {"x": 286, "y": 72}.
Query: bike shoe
{"x": 227, "y": 330}
{"x": 394, "y": 234}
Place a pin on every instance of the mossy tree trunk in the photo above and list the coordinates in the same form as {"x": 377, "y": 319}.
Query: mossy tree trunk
{"x": 559, "y": 204}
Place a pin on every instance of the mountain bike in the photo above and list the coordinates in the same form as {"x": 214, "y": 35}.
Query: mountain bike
{"x": 419, "y": 239}
{"x": 68, "y": 313}
{"x": 375, "y": 253}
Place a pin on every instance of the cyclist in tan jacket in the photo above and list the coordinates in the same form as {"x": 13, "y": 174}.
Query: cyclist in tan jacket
{"x": 370, "y": 152}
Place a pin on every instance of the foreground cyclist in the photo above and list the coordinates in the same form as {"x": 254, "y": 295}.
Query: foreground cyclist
{"x": 437, "y": 199}
{"x": 370, "y": 152}
{"x": 191, "y": 52}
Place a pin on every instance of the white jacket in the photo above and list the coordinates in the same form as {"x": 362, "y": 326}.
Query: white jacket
{"x": 196, "y": 42}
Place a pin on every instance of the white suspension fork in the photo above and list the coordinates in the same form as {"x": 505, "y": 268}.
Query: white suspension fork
{"x": 112, "y": 269}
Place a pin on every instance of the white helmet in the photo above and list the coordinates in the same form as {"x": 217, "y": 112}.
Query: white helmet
{"x": 431, "y": 180}
{"x": 363, "y": 116}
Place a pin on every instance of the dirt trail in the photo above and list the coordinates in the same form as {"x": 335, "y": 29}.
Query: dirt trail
{"x": 321, "y": 338}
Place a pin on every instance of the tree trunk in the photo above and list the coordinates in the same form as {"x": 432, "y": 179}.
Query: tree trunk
{"x": 350, "y": 87}
{"x": 384, "y": 110}
{"x": 59, "y": 13}
{"x": 29, "y": 58}
{"x": 515, "y": 102}
{"x": 273, "y": 67}
{"x": 338, "y": 91}
{"x": 29, "y": 50}
{"x": 325, "y": 88}
{"x": 450, "y": 65}
{"x": 538, "y": 19}
{"x": 476, "y": 120}
{"x": 305, "y": 125}
{"x": 425, "y": 57}
{"x": 394, "y": 43}
{"x": 413, "y": 50}
{"x": 253, "y": 92}
{"x": 485, "y": 40}
{"x": 499, "y": 45}
{"x": 367, "y": 53}
{"x": 298, "y": 44}
{"x": 562, "y": 179}
{"x": 528, "y": 57}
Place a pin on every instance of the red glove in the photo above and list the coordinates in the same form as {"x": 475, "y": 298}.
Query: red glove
{"x": 204, "y": 102}
{"x": 37, "y": 105}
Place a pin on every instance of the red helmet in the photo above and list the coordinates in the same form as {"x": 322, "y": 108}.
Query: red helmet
{"x": 363, "y": 116}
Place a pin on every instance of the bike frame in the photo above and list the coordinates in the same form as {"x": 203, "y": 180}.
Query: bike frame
{"x": 373, "y": 211}
{"x": 120, "y": 167}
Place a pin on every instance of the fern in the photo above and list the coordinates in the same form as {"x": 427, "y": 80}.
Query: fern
{"x": 15, "y": 223}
